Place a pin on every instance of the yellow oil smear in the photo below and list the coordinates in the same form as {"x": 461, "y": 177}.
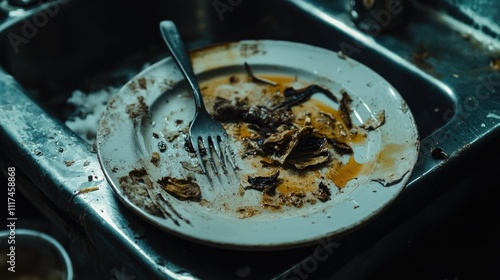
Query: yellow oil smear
{"x": 388, "y": 158}
{"x": 340, "y": 174}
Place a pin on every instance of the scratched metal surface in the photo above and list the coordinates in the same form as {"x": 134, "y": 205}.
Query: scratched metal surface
{"x": 440, "y": 66}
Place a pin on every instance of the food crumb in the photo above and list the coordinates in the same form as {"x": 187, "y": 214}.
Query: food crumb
{"x": 87, "y": 190}
{"x": 438, "y": 153}
{"x": 155, "y": 159}
{"x": 143, "y": 83}
{"x": 69, "y": 163}
{"x": 247, "y": 212}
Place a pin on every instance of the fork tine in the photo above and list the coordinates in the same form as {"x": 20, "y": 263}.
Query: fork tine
{"x": 196, "y": 144}
{"x": 228, "y": 154}
{"x": 219, "y": 152}
{"x": 209, "y": 155}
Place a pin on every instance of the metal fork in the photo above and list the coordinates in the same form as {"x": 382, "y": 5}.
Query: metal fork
{"x": 204, "y": 128}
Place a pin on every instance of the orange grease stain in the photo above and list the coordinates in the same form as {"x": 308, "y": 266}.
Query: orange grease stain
{"x": 298, "y": 184}
{"x": 388, "y": 158}
{"x": 340, "y": 174}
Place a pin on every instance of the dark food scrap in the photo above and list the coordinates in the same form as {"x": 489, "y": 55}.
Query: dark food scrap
{"x": 233, "y": 79}
{"x": 264, "y": 184}
{"x": 295, "y": 97}
{"x": 265, "y": 117}
{"x": 340, "y": 147}
{"x": 247, "y": 212}
{"x": 257, "y": 79}
{"x": 239, "y": 110}
{"x": 322, "y": 193}
{"x": 438, "y": 153}
{"x": 310, "y": 150}
{"x": 188, "y": 146}
{"x": 137, "y": 173}
{"x": 229, "y": 110}
{"x": 183, "y": 189}
{"x": 345, "y": 109}
{"x": 374, "y": 123}
{"x": 280, "y": 145}
{"x": 295, "y": 199}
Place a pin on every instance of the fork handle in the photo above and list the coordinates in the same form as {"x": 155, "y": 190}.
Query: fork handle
{"x": 176, "y": 46}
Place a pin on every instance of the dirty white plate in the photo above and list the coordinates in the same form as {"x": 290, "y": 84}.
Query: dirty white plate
{"x": 139, "y": 143}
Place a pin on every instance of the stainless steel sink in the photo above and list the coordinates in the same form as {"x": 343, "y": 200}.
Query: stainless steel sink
{"x": 441, "y": 66}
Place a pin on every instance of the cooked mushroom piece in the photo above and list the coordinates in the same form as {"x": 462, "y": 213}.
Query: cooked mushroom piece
{"x": 280, "y": 145}
{"x": 345, "y": 109}
{"x": 183, "y": 189}
{"x": 265, "y": 184}
{"x": 263, "y": 116}
{"x": 340, "y": 147}
{"x": 310, "y": 151}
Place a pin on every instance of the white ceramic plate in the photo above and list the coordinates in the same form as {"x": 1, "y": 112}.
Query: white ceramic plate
{"x": 156, "y": 105}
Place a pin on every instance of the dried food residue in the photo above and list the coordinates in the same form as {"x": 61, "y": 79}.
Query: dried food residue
{"x": 291, "y": 135}
{"x": 151, "y": 197}
{"x": 301, "y": 147}
{"x": 183, "y": 189}
{"x": 138, "y": 111}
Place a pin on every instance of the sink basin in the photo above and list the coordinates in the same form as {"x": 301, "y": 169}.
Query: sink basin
{"x": 63, "y": 55}
{"x": 50, "y": 50}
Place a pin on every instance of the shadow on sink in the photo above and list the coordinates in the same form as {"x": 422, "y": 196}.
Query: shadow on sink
{"x": 57, "y": 50}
